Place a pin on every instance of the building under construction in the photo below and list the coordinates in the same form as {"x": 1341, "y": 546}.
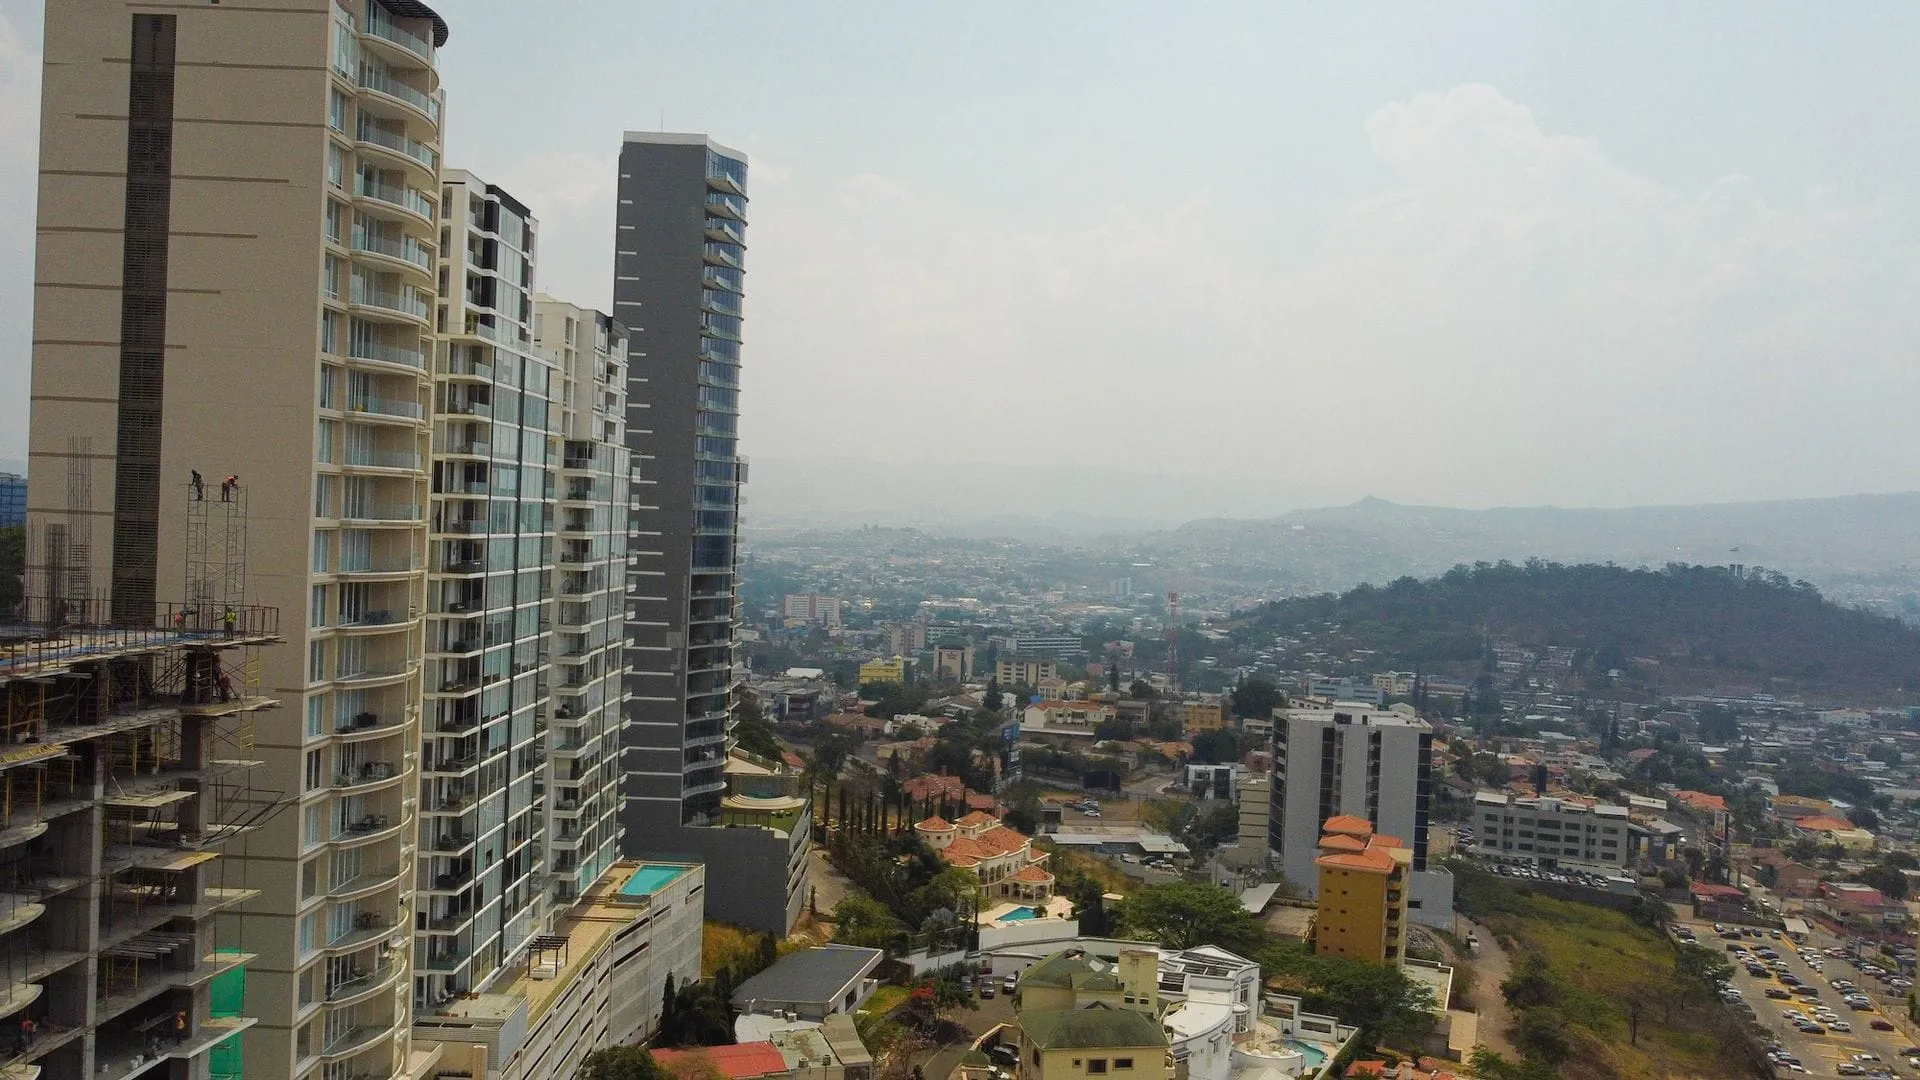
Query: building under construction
{"x": 124, "y": 769}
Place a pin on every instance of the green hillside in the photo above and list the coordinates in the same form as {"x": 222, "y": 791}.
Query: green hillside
{"x": 1675, "y": 627}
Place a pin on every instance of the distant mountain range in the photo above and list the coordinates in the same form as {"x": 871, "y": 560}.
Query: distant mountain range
{"x": 1860, "y": 549}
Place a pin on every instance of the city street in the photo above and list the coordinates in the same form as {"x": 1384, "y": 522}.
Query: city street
{"x": 1821, "y": 1054}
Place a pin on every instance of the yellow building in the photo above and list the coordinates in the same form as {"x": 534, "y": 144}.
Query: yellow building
{"x": 1207, "y": 714}
{"x": 895, "y": 669}
{"x": 1076, "y": 980}
{"x": 1099, "y": 1042}
{"x": 1361, "y": 909}
{"x": 1006, "y": 862}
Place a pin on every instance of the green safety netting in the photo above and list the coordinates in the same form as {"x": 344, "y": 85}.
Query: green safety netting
{"x": 229, "y": 998}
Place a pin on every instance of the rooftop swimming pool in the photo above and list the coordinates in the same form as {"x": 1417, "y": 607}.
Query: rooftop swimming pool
{"x": 650, "y": 879}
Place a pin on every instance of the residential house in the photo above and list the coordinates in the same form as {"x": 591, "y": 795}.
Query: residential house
{"x": 1834, "y": 830}
{"x": 1005, "y": 861}
{"x": 813, "y": 984}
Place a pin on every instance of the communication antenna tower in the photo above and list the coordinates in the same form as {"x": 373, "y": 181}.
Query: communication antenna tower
{"x": 1173, "y": 641}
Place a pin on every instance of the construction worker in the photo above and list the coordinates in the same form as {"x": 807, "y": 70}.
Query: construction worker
{"x": 230, "y": 488}
{"x": 180, "y": 619}
{"x": 180, "y": 1026}
{"x": 232, "y": 619}
{"x": 199, "y": 486}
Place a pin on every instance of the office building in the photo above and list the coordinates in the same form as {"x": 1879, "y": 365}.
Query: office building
{"x": 490, "y": 548}
{"x": 589, "y": 353}
{"x": 13, "y": 500}
{"x": 1361, "y": 903}
{"x": 1349, "y": 759}
{"x": 235, "y": 276}
{"x": 1552, "y": 832}
{"x": 1031, "y": 645}
{"x": 953, "y": 662}
{"x": 906, "y": 638}
{"x": 1365, "y": 693}
{"x": 679, "y": 253}
{"x": 127, "y": 774}
{"x": 1012, "y": 673}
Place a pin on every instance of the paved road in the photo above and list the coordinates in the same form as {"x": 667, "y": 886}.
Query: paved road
{"x": 1821, "y": 1054}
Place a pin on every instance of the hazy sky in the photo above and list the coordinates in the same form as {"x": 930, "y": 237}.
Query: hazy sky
{"x": 1459, "y": 253}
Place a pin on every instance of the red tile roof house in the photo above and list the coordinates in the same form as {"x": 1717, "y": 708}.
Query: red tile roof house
{"x": 741, "y": 1061}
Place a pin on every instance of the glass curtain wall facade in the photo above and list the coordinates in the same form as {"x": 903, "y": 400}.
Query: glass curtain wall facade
{"x": 588, "y": 350}
{"x": 479, "y": 872}
{"x": 679, "y": 264}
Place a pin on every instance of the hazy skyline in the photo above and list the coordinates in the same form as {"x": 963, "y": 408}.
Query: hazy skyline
{"x": 1479, "y": 255}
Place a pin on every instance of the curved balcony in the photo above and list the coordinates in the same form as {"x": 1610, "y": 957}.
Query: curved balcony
{"x": 369, "y": 725}
{"x": 385, "y": 675}
{"x": 370, "y": 138}
{"x": 407, "y": 303}
{"x": 366, "y": 884}
{"x": 385, "y": 88}
{"x": 373, "y": 776}
{"x": 380, "y": 357}
{"x": 379, "y": 569}
{"x": 405, "y": 514}
{"x": 465, "y": 368}
{"x": 17, "y": 996}
{"x": 390, "y": 202}
{"x": 385, "y": 37}
{"x": 20, "y": 834}
{"x": 406, "y": 254}
{"x": 18, "y": 910}
{"x": 354, "y": 1040}
{"x": 362, "y": 987}
{"x": 373, "y": 828}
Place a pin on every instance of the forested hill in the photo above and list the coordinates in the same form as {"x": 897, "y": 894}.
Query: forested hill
{"x": 1693, "y": 627}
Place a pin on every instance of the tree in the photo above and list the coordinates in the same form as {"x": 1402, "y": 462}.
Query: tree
{"x": 830, "y": 753}
{"x": 619, "y": 1063}
{"x": 1379, "y": 999}
{"x": 1700, "y": 970}
{"x": 1140, "y": 690}
{"x": 1218, "y": 824}
{"x": 1217, "y": 747}
{"x": 1540, "y": 1034}
{"x": 993, "y": 700}
{"x": 1185, "y": 914}
{"x": 1256, "y": 699}
{"x": 751, "y": 727}
{"x": 1113, "y": 676}
{"x": 862, "y": 920}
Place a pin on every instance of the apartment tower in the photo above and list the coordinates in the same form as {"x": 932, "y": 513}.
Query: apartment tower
{"x": 236, "y": 252}
{"x": 489, "y": 600}
{"x": 1371, "y": 764}
{"x": 588, "y": 350}
{"x": 679, "y": 254}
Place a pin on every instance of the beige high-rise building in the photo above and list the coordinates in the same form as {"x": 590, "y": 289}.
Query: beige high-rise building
{"x": 236, "y": 255}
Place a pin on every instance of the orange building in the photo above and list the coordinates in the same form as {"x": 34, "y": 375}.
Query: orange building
{"x": 1361, "y": 911}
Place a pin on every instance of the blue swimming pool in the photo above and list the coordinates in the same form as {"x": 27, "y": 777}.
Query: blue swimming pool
{"x": 650, "y": 879}
{"x": 1020, "y": 914}
{"x": 1315, "y": 1058}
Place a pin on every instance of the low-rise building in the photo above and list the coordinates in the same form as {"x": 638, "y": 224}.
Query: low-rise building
{"x": 1214, "y": 781}
{"x": 1361, "y": 905}
{"x": 813, "y": 984}
{"x": 1206, "y": 714}
{"x": 887, "y": 669}
{"x": 1006, "y": 862}
{"x": 1834, "y": 830}
{"x": 1250, "y": 849}
{"x": 1064, "y": 719}
{"x": 596, "y": 980}
{"x": 1552, "y": 831}
{"x": 1856, "y": 904}
{"x": 1100, "y": 1041}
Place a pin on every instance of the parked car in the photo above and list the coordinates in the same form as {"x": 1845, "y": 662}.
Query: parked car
{"x": 1880, "y": 1024}
{"x": 986, "y": 988}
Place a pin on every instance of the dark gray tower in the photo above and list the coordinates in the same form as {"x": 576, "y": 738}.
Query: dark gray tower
{"x": 679, "y": 257}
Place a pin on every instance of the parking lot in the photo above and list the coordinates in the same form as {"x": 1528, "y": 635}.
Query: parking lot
{"x": 1829, "y": 1051}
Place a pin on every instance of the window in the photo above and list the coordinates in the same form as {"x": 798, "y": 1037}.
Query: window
{"x": 1123, "y": 1063}
{"x": 315, "y": 824}
{"x": 323, "y": 496}
{"x": 1096, "y": 1066}
{"x": 322, "y": 550}
{"x": 316, "y": 769}
{"x": 335, "y": 219}
{"x": 309, "y": 932}
{"x": 317, "y": 606}
{"x": 328, "y": 335}
{"x": 309, "y": 879}
{"x": 316, "y": 661}
{"x": 316, "y": 716}
{"x": 328, "y": 396}
{"x": 330, "y": 278}
{"x": 337, "y": 112}
{"x": 323, "y": 443}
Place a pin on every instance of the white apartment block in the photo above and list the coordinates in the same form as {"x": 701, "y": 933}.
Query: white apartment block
{"x": 1551, "y": 832}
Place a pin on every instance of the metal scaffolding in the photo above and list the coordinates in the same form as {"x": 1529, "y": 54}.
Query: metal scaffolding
{"x": 216, "y": 552}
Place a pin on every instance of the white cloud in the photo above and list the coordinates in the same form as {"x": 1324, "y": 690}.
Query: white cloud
{"x": 1516, "y": 318}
